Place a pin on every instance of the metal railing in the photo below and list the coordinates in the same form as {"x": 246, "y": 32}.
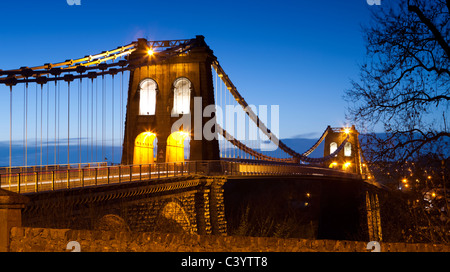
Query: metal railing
{"x": 66, "y": 177}
{"x": 34, "y": 168}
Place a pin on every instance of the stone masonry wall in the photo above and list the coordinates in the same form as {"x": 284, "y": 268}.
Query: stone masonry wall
{"x": 55, "y": 240}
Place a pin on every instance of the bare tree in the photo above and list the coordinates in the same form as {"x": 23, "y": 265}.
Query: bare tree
{"x": 403, "y": 91}
{"x": 404, "y": 84}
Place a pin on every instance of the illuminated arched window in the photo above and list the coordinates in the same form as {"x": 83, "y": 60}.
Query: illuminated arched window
{"x": 181, "y": 96}
{"x": 175, "y": 146}
{"x": 348, "y": 149}
{"x": 147, "y": 100}
{"x": 333, "y": 147}
{"x": 144, "y": 148}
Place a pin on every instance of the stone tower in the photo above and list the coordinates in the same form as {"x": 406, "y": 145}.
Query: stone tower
{"x": 348, "y": 158}
{"x": 162, "y": 91}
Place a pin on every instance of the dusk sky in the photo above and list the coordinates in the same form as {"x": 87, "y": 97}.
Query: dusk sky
{"x": 299, "y": 54}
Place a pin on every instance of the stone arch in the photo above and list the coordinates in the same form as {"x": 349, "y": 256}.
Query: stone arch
{"x": 173, "y": 218}
{"x": 144, "y": 148}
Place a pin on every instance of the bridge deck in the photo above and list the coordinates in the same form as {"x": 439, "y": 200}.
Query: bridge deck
{"x": 40, "y": 180}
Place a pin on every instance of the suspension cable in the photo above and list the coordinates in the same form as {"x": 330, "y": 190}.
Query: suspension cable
{"x": 121, "y": 109}
{"x": 47, "y": 121}
{"x": 80, "y": 97}
{"x": 42, "y": 93}
{"x": 112, "y": 121}
{"x": 103, "y": 117}
{"x": 92, "y": 119}
{"x": 59, "y": 119}
{"x": 10, "y": 126}
{"x": 95, "y": 118}
{"x": 87, "y": 121}
{"x": 56, "y": 96}
{"x": 26, "y": 125}
{"x": 68, "y": 124}
{"x": 36, "y": 128}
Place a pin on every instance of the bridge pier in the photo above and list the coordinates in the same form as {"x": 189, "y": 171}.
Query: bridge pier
{"x": 11, "y": 205}
{"x": 190, "y": 204}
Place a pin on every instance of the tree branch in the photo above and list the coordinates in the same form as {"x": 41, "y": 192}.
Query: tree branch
{"x": 432, "y": 28}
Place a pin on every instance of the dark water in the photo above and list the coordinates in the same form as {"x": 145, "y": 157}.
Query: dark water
{"x": 48, "y": 156}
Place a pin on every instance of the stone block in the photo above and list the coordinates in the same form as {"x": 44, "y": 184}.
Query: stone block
{"x": 17, "y": 232}
{"x": 58, "y": 234}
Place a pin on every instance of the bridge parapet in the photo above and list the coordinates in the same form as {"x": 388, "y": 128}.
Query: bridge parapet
{"x": 42, "y": 180}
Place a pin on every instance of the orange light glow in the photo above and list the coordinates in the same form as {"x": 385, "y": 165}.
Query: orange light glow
{"x": 346, "y": 130}
{"x": 175, "y": 146}
{"x": 346, "y": 165}
{"x": 150, "y": 52}
{"x": 143, "y": 148}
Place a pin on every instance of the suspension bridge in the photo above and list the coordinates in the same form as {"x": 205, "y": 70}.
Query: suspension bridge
{"x": 171, "y": 107}
{"x": 87, "y": 123}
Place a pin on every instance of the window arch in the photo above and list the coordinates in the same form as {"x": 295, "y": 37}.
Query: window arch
{"x": 333, "y": 147}
{"x": 181, "y": 96}
{"x": 147, "y": 100}
{"x": 144, "y": 148}
{"x": 176, "y": 146}
{"x": 347, "y": 149}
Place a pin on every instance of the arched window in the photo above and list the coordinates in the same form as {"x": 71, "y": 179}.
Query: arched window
{"x": 175, "y": 146}
{"x": 144, "y": 148}
{"x": 347, "y": 149}
{"x": 333, "y": 147}
{"x": 147, "y": 100}
{"x": 181, "y": 96}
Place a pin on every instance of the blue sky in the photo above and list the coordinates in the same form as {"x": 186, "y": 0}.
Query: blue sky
{"x": 299, "y": 54}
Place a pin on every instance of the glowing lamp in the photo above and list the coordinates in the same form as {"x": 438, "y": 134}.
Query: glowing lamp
{"x": 333, "y": 164}
{"x": 184, "y": 133}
